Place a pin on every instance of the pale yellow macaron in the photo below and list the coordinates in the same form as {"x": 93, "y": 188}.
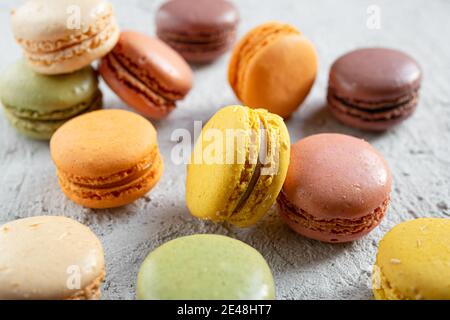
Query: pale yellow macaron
{"x": 413, "y": 261}
{"x": 238, "y": 166}
{"x": 49, "y": 258}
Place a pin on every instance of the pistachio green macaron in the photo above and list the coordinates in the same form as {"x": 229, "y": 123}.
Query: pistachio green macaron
{"x": 36, "y": 105}
{"x": 205, "y": 267}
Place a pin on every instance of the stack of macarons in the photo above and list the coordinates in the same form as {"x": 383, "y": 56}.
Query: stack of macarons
{"x": 54, "y": 82}
{"x": 329, "y": 187}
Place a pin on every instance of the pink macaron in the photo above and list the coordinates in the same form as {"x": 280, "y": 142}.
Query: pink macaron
{"x": 337, "y": 188}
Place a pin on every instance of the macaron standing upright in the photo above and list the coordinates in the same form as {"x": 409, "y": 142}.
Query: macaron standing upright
{"x": 374, "y": 88}
{"x": 238, "y": 166}
{"x": 413, "y": 261}
{"x": 213, "y": 268}
{"x": 274, "y": 66}
{"x": 200, "y": 30}
{"x": 337, "y": 188}
{"x": 107, "y": 158}
{"x": 66, "y": 35}
{"x": 146, "y": 74}
{"x": 37, "y": 105}
{"x": 50, "y": 258}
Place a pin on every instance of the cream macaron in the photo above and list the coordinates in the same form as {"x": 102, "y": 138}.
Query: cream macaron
{"x": 49, "y": 258}
{"x": 65, "y": 35}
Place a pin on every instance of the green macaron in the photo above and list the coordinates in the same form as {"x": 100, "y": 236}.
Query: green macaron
{"x": 205, "y": 267}
{"x": 36, "y": 105}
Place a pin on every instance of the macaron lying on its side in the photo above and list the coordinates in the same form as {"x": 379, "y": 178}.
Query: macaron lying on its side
{"x": 200, "y": 30}
{"x": 37, "y": 105}
{"x": 238, "y": 166}
{"x": 106, "y": 158}
{"x": 146, "y": 74}
{"x": 374, "y": 88}
{"x": 274, "y": 67}
{"x": 205, "y": 267}
{"x": 50, "y": 258}
{"x": 65, "y": 35}
{"x": 413, "y": 261}
{"x": 337, "y": 188}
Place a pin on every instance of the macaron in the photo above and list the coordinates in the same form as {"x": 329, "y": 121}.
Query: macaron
{"x": 205, "y": 267}
{"x": 238, "y": 166}
{"x": 37, "y": 105}
{"x": 337, "y": 188}
{"x": 107, "y": 158}
{"x": 200, "y": 30}
{"x": 50, "y": 258}
{"x": 413, "y": 261}
{"x": 374, "y": 88}
{"x": 274, "y": 66}
{"x": 146, "y": 74}
{"x": 65, "y": 35}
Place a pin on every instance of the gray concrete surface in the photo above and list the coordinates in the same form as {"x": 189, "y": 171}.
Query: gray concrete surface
{"x": 418, "y": 151}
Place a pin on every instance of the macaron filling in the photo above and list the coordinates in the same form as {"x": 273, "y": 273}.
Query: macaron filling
{"x": 374, "y": 111}
{"x": 262, "y": 147}
{"x": 336, "y": 226}
{"x": 219, "y": 42}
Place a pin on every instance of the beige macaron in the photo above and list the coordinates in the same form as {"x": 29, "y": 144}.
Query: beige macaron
{"x": 49, "y": 258}
{"x": 65, "y": 35}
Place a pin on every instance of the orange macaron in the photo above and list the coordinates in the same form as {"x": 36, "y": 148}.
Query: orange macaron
{"x": 106, "y": 158}
{"x": 273, "y": 67}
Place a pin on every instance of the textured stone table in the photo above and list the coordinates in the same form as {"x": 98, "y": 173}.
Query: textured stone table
{"x": 418, "y": 151}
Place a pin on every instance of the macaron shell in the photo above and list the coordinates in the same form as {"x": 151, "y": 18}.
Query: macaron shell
{"x": 273, "y": 67}
{"x": 280, "y": 76}
{"x": 414, "y": 260}
{"x": 336, "y": 176}
{"x": 51, "y": 22}
{"x": 211, "y": 180}
{"x": 214, "y": 268}
{"x": 54, "y": 249}
{"x": 156, "y": 60}
{"x": 133, "y": 97}
{"x": 200, "y": 30}
{"x": 102, "y": 143}
{"x": 23, "y": 89}
{"x": 374, "y": 74}
{"x": 198, "y": 16}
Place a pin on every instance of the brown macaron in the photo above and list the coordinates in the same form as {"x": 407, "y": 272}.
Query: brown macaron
{"x": 146, "y": 74}
{"x": 374, "y": 88}
{"x": 200, "y": 30}
{"x": 337, "y": 188}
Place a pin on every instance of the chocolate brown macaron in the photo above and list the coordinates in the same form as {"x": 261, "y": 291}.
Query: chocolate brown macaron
{"x": 374, "y": 88}
{"x": 200, "y": 30}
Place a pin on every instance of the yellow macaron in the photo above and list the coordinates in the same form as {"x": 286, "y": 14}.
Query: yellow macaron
{"x": 238, "y": 166}
{"x": 413, "y": 261}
